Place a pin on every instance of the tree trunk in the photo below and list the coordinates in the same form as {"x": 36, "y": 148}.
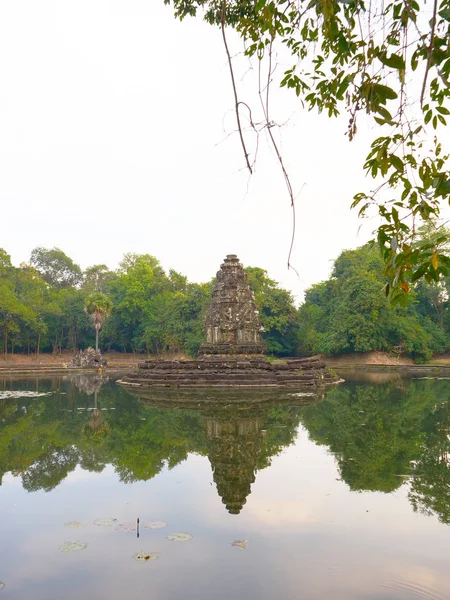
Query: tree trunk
{"x": 6, "y": 341}
{"x": 441, "y": 315}
{"x": 96, "y": 339}
{"x": 38, "y": 344}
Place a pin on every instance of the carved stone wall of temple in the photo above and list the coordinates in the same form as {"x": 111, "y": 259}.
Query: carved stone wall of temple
{"x": 232, "y": 324}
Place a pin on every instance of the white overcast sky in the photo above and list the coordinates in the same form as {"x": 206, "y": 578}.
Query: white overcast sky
{"x": 114, "y": 120}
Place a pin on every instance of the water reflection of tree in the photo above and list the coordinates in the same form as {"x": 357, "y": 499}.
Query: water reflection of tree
{"x": 377, "y": 433}
{"x": 50, "y": 469}
{"x": 43, "y": 439}
{"x": 140, "y": 440}
{"x": 380, "y": 434}
{"x": 430, "y": 487}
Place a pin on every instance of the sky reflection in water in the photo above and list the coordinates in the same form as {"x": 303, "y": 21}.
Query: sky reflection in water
{"x": 343, "y": 499}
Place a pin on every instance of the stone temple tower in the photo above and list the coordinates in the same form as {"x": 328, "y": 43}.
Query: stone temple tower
{"x": 232, "y": 354}
{"x": 232, "y": 324}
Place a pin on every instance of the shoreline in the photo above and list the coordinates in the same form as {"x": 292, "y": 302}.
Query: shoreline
{"x": 50, "y": 364}
{"x": 55, "y": 369}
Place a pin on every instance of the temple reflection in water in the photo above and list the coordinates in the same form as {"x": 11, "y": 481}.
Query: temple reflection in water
{"x": 233, "y": 449}
{"x": 240, "y": 437}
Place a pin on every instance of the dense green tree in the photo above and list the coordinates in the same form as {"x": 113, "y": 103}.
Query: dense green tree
{"x": 155, "y": 312}
{"x": 98, "y": 278}
{"x": 14, "y": 313}
{"x": 432, "y": 297}
{"x": 189, "y": 315}
{"x": 139, "y": 280}
{"x": 56, "y": 267}
{"x": 74, "y": 320}
{"x": 348, "y": 313}
{"x": 38, "y": 296}
{"x": 277, "y": 311}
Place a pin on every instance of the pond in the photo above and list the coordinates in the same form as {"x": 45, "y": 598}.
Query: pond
{"x": 343, "y": 497}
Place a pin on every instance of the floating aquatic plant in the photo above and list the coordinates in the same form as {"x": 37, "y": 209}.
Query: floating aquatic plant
{"x": 125, "y": 527}
{"x": 74, "y": 524}
{"x": 2, "y": 585}
{"x": 5, "y": 395}
{"x": 155, "y": 525}
{"x": 73, "y": 546}
{"x": 239, "y": 544}
{"x": 145, "y": 556}
{"x": 105, "y": 522}
{"x": 180, "y": 537}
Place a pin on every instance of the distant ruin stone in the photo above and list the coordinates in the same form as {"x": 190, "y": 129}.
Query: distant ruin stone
{"x": 232, "y": 324}
{"x": 88, "y": 359}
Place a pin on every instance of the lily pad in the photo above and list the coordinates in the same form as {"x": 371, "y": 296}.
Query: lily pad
{"x": 74, "y": 524}
{"x": 242, "y": 544}
{"x": 180, "y": 537}
{"x": 2, "y": 585}
{"x": 145, "y": 556}
{"x": 73, "y": 546}
{"x": 105, "y": 522}
{"x": 155, "y": 525}
{"x": 125, "y": 527}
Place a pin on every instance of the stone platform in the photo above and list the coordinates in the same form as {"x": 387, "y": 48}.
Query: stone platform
{"x": 233, "y": 372}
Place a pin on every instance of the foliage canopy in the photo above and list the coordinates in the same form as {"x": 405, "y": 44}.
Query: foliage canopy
{"x": 390, "y": 61}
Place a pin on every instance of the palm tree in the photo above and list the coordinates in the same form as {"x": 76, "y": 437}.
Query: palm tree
{"x": 98, "y": 306}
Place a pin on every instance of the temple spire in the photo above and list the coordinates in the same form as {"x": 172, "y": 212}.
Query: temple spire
{"x": 232, "y": 324}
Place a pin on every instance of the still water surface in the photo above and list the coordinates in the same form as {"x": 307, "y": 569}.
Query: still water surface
{"x": 348, "y": 498}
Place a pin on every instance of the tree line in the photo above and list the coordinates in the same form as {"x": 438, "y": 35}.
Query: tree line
{"x": 350, "y": 313}
{"x": 50, "y": 304}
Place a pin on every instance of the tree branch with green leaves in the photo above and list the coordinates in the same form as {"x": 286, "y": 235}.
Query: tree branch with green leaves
{"x": 390, "y": 62}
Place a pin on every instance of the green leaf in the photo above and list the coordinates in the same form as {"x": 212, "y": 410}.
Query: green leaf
{"x": 443, "y": 188}
{"x": 384, "y": 92}
{"x": 394, "y": 61}
{"x": 420, "y": 272}
{"x": 445, "y": 14}
{"x": 397, "y": 163}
